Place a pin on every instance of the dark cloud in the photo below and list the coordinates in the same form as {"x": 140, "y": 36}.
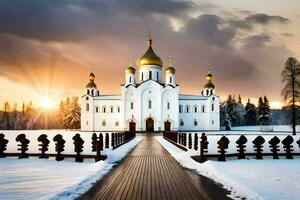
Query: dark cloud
{"x": 262, "y": 18}
{"x": 207, "y": 28}
{"x": 105, "y": 35}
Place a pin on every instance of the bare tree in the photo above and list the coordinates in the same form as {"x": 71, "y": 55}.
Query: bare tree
{"x": 291, "y": 91}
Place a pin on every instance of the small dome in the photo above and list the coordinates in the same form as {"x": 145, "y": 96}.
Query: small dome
{"x": 209, "y": 76}
{"x": 170, "y": 70}
{"x": 92, "y": 76}
{"x": 130, "y": 70}
{"x": 150, "y": 57}
{"x": 209, "y": 85}
{"x": 91, "y": 84}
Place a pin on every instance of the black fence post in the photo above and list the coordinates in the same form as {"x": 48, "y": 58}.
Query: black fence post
{"x": 288, "y": 147}
{"x": 23, "y": 145}
{"x": 59, "y": 147}
{"x": 190, "y": 141}
{"x": 241, "y": 146}
{"x": 94, "y": 142}
{"x": 44, "y": 145}
{"x": 106, "y": 140}
{"x": 3, "y": 145}
{"x": 203, "y": 146}
{"x": 196, "y": 142}
{"x": 112, "y": 140}
{"x": 274, "y": 146}
{"x": 223, "y": 145}
{"x": 78, "y": 147}
{"x": 258, "y": 145}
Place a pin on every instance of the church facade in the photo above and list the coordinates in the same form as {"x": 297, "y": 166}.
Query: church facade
{"x": 147, "y": 103}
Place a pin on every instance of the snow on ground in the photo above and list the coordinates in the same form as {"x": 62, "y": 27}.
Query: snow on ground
{"x": 48, "y": 179}
{"x": 253, "y": 179}
{"x": 276, "y": 128}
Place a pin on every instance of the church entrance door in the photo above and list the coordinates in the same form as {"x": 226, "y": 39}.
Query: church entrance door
{"x": 149, "y": 125}
{"x": 132, "y": 126}
{"x": 167, "y": 126}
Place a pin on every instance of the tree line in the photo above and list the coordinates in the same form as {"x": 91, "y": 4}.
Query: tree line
{"x": 234, "y": 113}
{"x": 29, "y": 117}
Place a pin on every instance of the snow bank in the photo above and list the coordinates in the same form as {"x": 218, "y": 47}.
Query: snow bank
{"x": 48, "y": 179}
{"x": 253, "y": 179}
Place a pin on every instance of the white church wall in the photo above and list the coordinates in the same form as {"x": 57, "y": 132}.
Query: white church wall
{"x": 87, "y": 113}
{"x": 170, "y": 95}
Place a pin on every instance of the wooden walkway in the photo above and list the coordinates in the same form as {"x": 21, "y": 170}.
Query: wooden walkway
{"x": 149, "y": 172}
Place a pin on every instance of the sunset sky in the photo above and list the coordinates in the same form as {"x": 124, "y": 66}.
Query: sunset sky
{"x": 48, "y": 47}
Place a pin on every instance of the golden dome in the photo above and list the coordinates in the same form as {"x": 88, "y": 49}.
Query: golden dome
{"x": 150, "y": 57}
{"x": 92, "y": 76}
{"x": 209, "y": 76}
{"x": 170, "y": 70}
{"x": 130, "y": 70}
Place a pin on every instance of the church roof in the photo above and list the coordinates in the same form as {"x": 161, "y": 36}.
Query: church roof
{"x": 149, "y": 57}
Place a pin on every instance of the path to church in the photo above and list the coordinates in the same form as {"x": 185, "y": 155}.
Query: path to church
{"x": 149, "y": 172}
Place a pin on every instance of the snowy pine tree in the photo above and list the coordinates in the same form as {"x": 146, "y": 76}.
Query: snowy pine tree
{"x": 264, "y": 111}
{"x": 250, "y": 113}
{"x": 72, "y": 120}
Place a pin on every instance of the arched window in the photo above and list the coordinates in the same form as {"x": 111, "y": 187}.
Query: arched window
{"x": 180, "y": 108}
{"x": 92, "y": 92}
{"x": 213, "y": 98}
{"x": 195, "y": 122}
{"x": 168, "y": 105}
{"x": 87, "y": 98}
{"x": 170, "y": 79}
{"x": 187, "y": 109}
{"x": 131, "y": 105}
{"x": 111, "y": 109}
{"x": 212, "y": 107}
{"x": 212, "y": 122}
{"x": 104, "y": 123}
{"x": 211, "y": 91}
{"x": 142, "y": 76}
{"x": 129, "y": 79}
{"x": 207, "y": 92}
{"x": 195, "y": 108}
{"x": 149, "y": 104}
{"x": 157, "y": 76}
{"x": 88, "y": 91}
{"x": 203, "y": 108}
{"x": 118, "y": 109}
{"x": 181, "y": 122}
{"x": 97, "y": 93}
{"x": 116, "y": 123}
{"x": 87, "y": 107}
{"x": 150, "y": 74}
{"x": 97, "y": 109}
{"x": 104, "y": 109}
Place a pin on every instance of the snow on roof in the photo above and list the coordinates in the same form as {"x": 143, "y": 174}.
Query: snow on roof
{"x": 191, "y": 97}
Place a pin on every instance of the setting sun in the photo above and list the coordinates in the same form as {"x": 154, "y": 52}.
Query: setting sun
{"x": 46, "y": 103}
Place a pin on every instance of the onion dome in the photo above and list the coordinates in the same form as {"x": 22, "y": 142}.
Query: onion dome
{"x": 92, "y": 83}
{"x": 209, "y": 78}
{"x": 92, "y": 76}
{"x": 170, "y": 70}
{"x": 130, "y": 70}
{"x": 150, "y": 57}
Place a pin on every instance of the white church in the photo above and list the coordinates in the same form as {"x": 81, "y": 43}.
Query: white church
{"x": 149, "y": 103}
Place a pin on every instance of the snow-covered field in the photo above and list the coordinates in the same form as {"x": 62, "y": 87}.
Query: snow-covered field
{"x": 253, "y": 179}
{"x": 48, "y": 179}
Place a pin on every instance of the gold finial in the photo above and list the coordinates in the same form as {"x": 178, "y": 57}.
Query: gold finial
{"x": 170, "y": 61}
{"x": 149, "y": 38}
